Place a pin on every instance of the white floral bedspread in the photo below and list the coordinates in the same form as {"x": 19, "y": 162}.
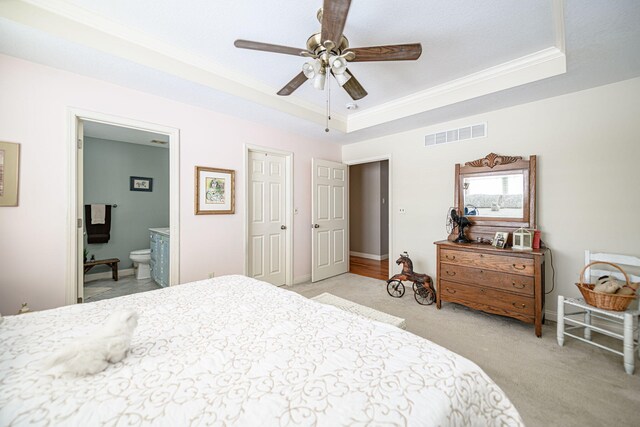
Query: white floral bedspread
{"x": 238, "y": 352}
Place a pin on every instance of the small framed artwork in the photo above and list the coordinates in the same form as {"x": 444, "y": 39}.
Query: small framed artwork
{"x": 215, "y": 191}
{"x": 9, "y": 162}
{"x": 500, "y": 239}
{"x": 139, "y": 183}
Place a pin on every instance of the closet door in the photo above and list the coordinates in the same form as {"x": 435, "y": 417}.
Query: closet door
{"x": 267, "y": 222}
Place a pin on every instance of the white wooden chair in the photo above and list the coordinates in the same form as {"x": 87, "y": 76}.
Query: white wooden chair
{"x": 606, "y": 322}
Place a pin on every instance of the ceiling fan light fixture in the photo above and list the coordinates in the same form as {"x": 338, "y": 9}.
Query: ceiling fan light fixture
{"x": 310, "y": 69}
{"x": 319, "y": 79}
{"x": 338, "y": 64}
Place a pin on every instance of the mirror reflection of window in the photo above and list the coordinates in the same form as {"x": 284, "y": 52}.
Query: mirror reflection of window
{"x": 494, "y": 195}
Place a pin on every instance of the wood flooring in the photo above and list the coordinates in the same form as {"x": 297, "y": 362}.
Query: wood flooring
{"x": 370, "y": 268}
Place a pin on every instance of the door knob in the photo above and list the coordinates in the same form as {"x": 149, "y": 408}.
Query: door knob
{"x": 283, "y": 227}
{"x": 316, "y": 226}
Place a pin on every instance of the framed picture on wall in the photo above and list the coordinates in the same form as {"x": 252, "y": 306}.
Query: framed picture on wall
{"x": 138, "y": 183}
{"x": 9, "y": 162}
{"x": 214, "y": 191}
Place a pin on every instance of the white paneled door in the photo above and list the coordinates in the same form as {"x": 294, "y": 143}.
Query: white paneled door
{"x": 267, "y": 219}
{"x": 330, "y": 219}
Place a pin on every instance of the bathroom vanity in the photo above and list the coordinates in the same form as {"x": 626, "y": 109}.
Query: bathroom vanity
{"x": 160, "y": 246}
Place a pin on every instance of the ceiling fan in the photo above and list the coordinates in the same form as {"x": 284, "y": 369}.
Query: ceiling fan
{"x": 329, "y": 52}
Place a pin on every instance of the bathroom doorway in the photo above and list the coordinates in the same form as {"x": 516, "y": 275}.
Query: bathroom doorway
{"x": 126, "y": 205}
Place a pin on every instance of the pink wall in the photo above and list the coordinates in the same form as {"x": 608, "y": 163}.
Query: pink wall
{"x": 34, "y": 105}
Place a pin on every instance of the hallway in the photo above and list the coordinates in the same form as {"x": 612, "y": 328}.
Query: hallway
{"x": 370, "y": 267}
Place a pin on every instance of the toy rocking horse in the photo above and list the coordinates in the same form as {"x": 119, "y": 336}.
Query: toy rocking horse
{"x": 423, "y": 290}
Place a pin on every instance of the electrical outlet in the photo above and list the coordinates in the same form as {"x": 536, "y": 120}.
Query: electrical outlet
{"x": 212, "y": 275}
{"x": 402, "y": 210}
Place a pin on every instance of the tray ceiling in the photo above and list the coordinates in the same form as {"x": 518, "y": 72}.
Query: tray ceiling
{"x": 471, "y": 50}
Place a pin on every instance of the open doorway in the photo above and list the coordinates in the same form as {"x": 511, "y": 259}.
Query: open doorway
{"x": 125, "y": 189}
{"x": 102, "y": 132}
{"x": 369, "y": 219}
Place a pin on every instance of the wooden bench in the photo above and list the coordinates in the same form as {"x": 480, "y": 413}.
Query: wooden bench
{"x": 111, "y": 262}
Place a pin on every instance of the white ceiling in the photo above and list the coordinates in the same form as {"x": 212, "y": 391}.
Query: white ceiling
{"x": 459, "y": 38}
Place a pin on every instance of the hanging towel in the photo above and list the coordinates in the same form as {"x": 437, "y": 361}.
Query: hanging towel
{"x": 97, "y": 233}
{"x": 97, "y": 214}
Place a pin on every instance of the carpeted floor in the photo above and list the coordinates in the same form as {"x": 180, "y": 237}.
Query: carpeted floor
{"x": 574, "y": 385}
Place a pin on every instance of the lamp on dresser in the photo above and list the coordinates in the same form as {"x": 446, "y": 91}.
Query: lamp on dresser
{"x": 507, "y": 282}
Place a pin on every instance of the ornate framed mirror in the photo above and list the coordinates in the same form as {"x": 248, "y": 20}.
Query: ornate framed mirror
{"x": 496, "y": 193}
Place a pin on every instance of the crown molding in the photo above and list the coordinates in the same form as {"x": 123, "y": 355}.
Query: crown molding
{"x": 527, "y": 69}
{"x": 78, "y": 25}
{"x": 558, "y": 24}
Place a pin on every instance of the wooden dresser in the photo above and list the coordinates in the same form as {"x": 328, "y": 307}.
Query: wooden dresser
{"x": 498, "y": 281}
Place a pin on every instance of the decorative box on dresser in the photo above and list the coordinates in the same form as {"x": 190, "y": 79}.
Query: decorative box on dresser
{"x": 498, "y": 281}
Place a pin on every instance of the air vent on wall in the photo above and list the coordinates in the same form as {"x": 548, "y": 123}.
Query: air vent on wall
{"x": 453, "y": 135}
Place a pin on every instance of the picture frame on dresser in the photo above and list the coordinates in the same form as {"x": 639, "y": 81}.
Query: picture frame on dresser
{"x": 500, "y": 239}
{"x": 495, "y": 280}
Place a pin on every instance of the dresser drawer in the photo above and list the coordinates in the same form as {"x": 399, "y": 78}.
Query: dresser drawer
{"x": 507, "y": 264}
{"x": 486, "y": 296}
{"x": 519, "y": 284}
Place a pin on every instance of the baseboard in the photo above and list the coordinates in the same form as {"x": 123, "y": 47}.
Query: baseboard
{"x": 107, "y": 275}
{"x": 369, "y": 256}
{"x": 301, "y": 279}
{"x": 551, "y": 315}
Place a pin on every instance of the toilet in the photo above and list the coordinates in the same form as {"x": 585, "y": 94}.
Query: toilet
{"x": 141, "y": 259}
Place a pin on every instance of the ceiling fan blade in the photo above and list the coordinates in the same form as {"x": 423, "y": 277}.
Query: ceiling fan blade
{"x": 294, "y": 84}
{"x": 395, "y": 52}
{"x": 268, "y": 47}
{"x": 354, "y": 88}
{"x": 334, "y": 16}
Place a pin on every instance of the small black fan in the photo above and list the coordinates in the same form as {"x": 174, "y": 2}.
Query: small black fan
{"x": 455, "y": 221}
{"x": 449, "y": 222}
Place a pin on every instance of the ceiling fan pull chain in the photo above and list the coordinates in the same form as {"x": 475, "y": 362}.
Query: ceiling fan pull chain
{"x": 328, "y": 99}
{"x": 329, "y": 92}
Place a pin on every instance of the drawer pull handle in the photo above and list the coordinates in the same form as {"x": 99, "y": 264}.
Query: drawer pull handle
{"x": 451, "y": 273}
{"x": 518, "y": 268}
{"x": 521, "y": 305}
{"x": 450, "y": 257}
{"x": 518, "y": 285}
{"x": 451, "y": 291}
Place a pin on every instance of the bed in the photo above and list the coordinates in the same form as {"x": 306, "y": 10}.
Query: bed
{"x": 237, "y": 351}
